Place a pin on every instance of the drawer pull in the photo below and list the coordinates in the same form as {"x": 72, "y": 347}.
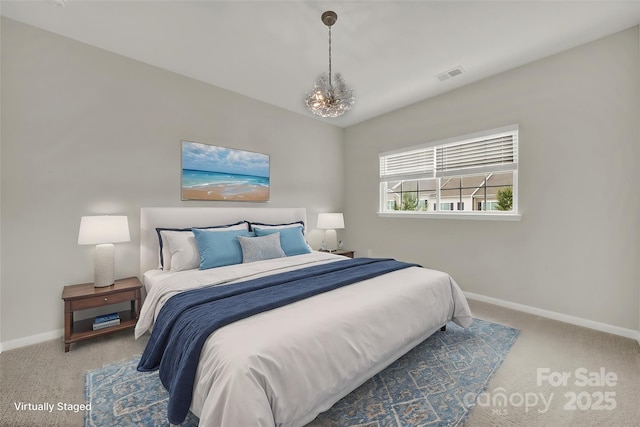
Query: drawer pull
{"x": 106, "y": 299}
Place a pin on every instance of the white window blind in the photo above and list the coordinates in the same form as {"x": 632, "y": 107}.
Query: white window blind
{"x": 479, "y": 153}
{"x": 413, "y": 164}
{"x": 491, "y": 154}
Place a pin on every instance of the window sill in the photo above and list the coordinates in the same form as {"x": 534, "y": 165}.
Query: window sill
{"x": 447, "y": 215}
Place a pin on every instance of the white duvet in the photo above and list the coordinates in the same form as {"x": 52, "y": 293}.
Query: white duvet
{"x": 285, "y": 366}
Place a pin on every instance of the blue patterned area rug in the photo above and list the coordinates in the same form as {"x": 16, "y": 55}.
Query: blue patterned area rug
{"x": 434, "y": 385}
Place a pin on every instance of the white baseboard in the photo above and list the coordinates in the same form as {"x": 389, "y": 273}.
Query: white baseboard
{"x": 579, "y": 321}
{"x": 33, "y": 339}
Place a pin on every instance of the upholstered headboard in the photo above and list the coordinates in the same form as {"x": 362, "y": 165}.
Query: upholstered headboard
{"x": 176, "y": 217}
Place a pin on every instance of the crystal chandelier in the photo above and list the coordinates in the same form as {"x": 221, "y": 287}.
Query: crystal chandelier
{"x": 330, "y": 98}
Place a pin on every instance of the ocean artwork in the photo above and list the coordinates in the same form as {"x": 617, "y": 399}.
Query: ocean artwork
{"x": 210, "y": 172}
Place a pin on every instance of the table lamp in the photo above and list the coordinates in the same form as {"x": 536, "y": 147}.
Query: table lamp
{"x": 103, "y": 231}
{"x": 330, "y": 222}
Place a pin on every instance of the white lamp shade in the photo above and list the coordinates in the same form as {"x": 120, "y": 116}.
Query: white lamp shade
{"x": 330, "y": 221}
{"x": 95, "y": 230}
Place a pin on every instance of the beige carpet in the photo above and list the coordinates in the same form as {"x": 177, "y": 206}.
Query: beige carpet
{"x": 560, "y": 347}
{"x": 44, "y": 373}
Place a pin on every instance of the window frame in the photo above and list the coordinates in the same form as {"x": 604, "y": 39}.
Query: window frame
{"x": 513, "y": 215}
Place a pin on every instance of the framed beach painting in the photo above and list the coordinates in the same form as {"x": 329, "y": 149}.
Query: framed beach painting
{"x": 210, "y": 172}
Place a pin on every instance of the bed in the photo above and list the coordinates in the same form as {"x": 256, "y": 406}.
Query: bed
{"x": 284, "y": 366}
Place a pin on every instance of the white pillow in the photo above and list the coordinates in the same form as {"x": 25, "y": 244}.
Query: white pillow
{"x": 183, "y": 251}
{"x": 288, "y": 225}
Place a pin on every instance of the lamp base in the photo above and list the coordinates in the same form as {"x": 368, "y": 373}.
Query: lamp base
{"x": 104, "y": 265}
{"x": 331, "y": 237}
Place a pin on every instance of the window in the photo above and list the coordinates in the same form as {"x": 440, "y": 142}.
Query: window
{"x": 474, "y": 174}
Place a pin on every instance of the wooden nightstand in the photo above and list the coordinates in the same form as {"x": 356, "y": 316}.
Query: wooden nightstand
{"x": 342, "y": 252}
{"x": 85, "y": 296}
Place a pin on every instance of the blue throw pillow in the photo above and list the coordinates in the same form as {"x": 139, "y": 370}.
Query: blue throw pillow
{"x": 218, "y": 248}
{"x": 291, "y": 239}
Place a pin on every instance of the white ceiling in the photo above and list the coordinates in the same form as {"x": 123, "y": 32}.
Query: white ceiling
{"x": 388, "y": 51}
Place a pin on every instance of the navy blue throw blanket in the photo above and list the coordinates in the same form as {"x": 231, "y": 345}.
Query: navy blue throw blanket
{"x": 187, "y": 319}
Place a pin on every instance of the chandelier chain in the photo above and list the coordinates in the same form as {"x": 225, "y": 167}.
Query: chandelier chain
{"x": 329, "y": 55}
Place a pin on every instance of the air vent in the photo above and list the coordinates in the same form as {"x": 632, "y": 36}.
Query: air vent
{"x": 451, "y": 73}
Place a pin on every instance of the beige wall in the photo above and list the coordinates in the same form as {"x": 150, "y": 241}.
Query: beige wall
{"x": 0, "y": 196}
{"x": 88, "y": 132}
{"x": 577, "y": 247}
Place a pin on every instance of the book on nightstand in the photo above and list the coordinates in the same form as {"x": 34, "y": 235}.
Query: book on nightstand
{"x": 108, "y": 324}
{"x": 106, "y": 321}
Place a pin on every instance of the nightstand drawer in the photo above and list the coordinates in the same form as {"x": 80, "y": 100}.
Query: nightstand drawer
{"x": 99, "y": 301}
